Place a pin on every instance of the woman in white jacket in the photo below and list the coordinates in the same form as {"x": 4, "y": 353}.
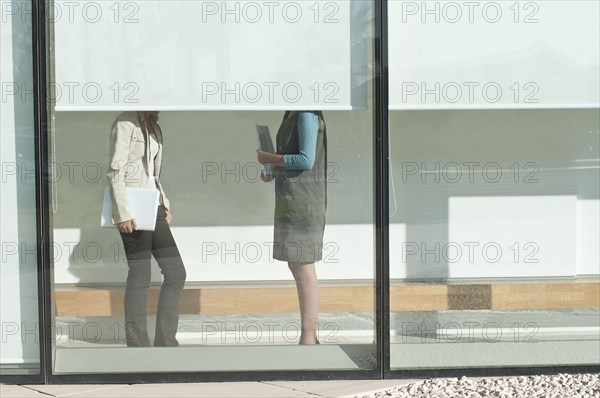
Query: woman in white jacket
{"x": 135, "y": 161}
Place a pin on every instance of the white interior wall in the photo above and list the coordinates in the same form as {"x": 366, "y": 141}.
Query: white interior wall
{"x": 532, "y": 211}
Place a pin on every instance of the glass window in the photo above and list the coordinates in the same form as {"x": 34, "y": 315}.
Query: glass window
{"x": 19, "y": 346}
{"x": 230, "y": 285}
{"x": 494, "y": 184}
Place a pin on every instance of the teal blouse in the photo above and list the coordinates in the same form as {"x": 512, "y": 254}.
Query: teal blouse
{"x": 308, "y": 130}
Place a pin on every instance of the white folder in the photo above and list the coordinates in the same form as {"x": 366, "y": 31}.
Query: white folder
{"x": 265, "y": 143}
{"x": 143, "y": 203}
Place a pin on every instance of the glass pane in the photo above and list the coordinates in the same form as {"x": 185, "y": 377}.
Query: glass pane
{"x": 236, "y": 55}
{"x": 494, "y": 217}
{"x": 19, "y": 347}
{"x": 493, "y": 233}
{"x": 515, "y": 58}
{"x": 240, "y": 304}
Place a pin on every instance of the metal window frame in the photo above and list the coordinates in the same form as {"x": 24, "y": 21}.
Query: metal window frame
{"x": 41, "y": 194}
{"x": 381, "y": 236}
{"x": 45, "y": 266}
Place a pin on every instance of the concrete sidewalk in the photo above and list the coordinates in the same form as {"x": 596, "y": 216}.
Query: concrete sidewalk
{"x": 275, "y": 389}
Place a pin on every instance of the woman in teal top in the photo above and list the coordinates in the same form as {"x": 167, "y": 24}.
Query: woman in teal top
{"x": 300, "y": 202}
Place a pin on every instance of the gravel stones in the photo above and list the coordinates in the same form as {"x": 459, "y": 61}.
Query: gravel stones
{"x": 586, "y": 385}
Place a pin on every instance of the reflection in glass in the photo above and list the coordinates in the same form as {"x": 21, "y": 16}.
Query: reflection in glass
{"x": 19, "y": 318}
{"x": 239, "y": 308}
{"x": 494, "y": 264}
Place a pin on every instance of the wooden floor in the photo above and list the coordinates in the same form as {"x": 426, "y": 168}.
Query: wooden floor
{"x": 103, "y": 301}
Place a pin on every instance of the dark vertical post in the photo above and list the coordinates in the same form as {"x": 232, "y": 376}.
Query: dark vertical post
{"x": 41, "y": 183}
{"x": 382, "y": 277}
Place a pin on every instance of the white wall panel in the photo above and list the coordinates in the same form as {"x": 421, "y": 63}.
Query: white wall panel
{"x": 494, "y": 54}
{"x": 209, "y": 55}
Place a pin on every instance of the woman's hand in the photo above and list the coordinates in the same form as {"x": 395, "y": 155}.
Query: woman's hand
{"x": 168, "y": 216}
{"x": 269, "y": 158}
{"x": 127, "y": 227}
{"x": 266, "y": 178}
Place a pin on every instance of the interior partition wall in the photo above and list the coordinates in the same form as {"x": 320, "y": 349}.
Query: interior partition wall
{"x": 462, "y": 186}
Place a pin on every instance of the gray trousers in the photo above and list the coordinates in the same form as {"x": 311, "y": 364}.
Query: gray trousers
{"x": 139, "y": 247}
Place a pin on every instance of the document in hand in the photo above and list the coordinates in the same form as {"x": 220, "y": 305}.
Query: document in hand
{"x": 143, "y": 203}
{"x": 265, "y": 144}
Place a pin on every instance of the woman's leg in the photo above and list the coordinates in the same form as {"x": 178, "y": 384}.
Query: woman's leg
{"x": 138, "y": 247}
{"x": 308, "y": 296}
{"x": 169, "y": 260}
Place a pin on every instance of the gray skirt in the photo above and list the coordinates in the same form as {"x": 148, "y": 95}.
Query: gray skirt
{"x": 299, "y": 227}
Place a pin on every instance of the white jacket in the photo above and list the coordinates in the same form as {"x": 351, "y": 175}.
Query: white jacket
{"x": 129, "y": 156}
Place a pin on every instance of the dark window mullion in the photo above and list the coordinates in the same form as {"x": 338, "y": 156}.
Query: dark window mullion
{"x": 382, "y": 279}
